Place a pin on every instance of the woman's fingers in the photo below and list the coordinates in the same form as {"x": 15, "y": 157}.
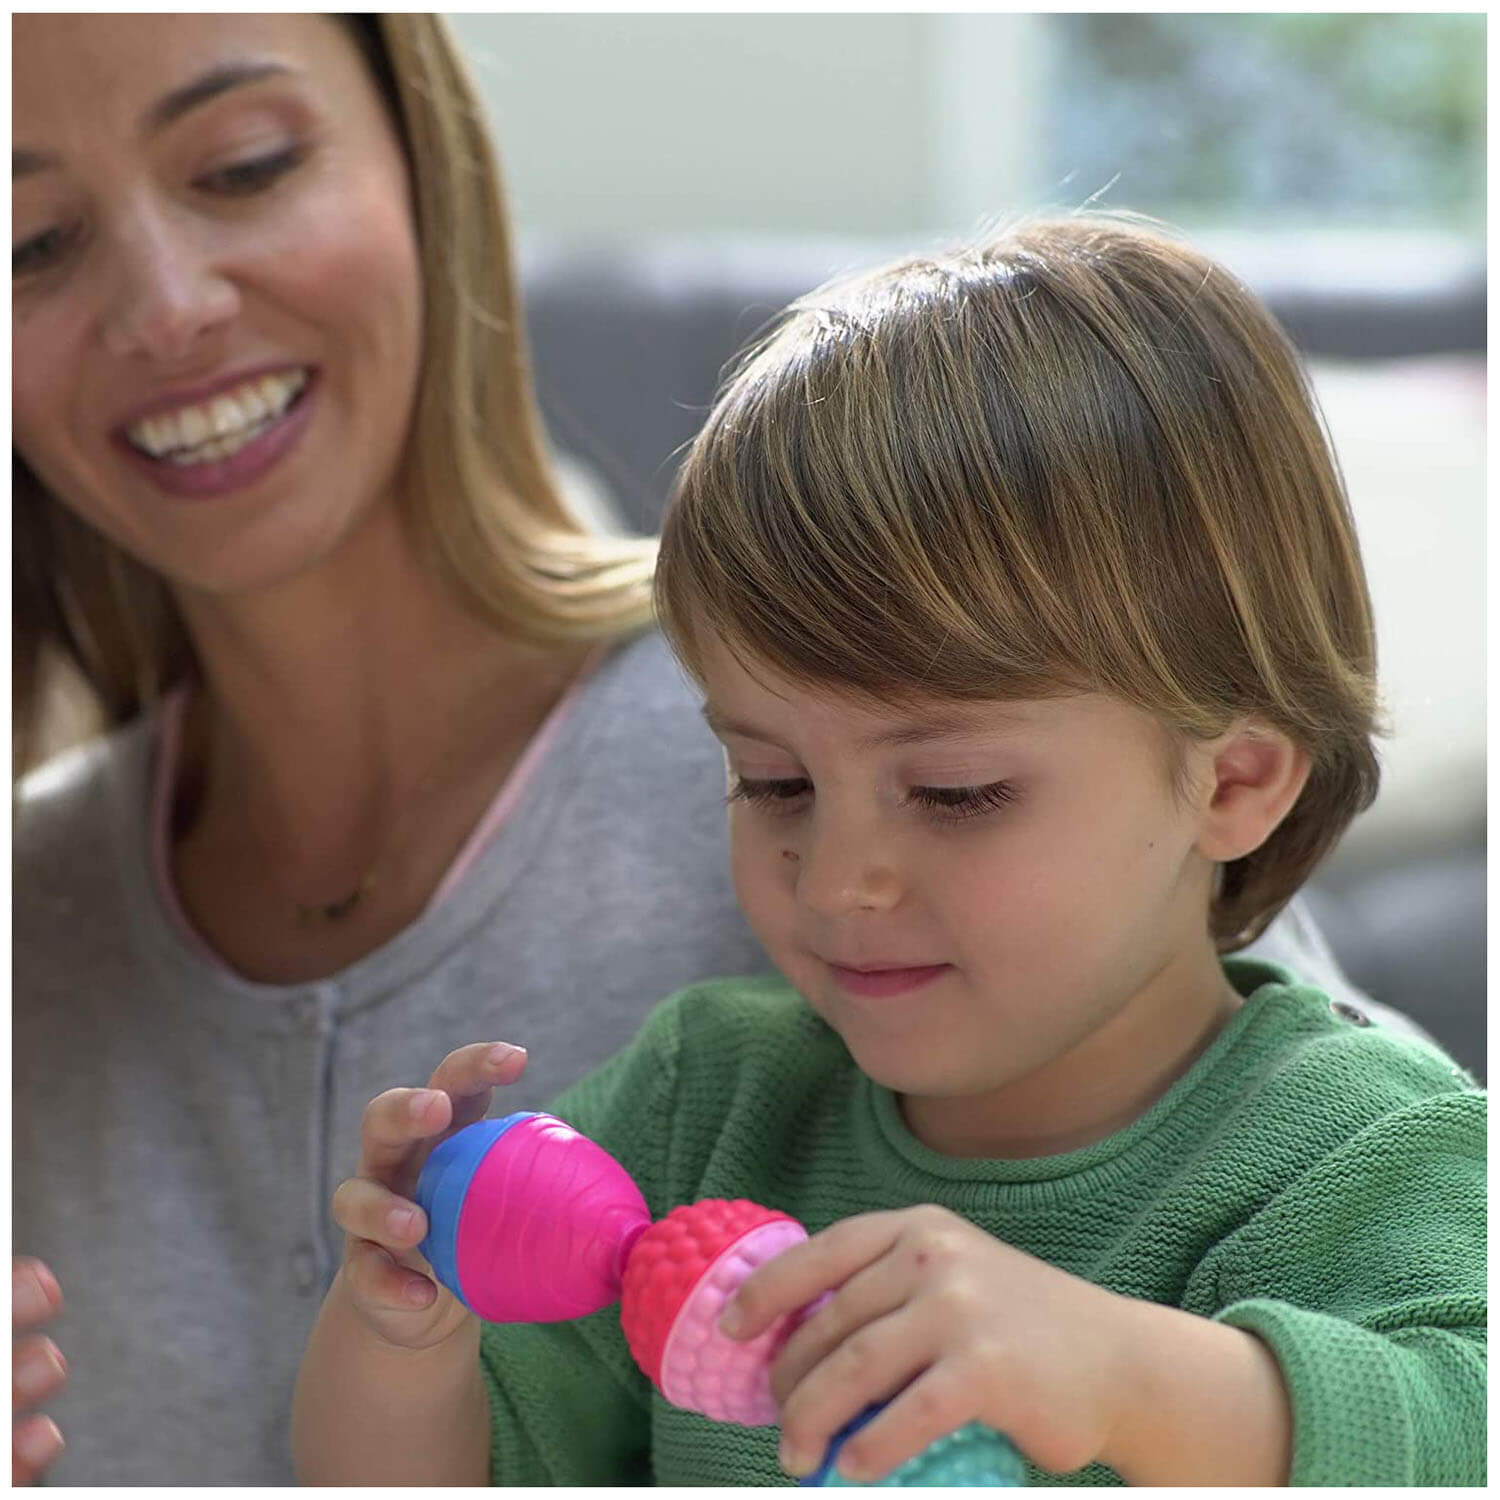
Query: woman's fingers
{"x": 38, "y": 1371}
{"x": 35, "y": 1297}
{"x": 34, "y": 1443}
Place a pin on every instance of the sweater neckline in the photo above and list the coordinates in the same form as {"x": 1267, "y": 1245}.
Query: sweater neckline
{"x": 140, "y": 811}
{"x": 1259, "y": 981}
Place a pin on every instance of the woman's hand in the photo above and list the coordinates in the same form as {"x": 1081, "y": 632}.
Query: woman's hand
{"x": 963, "y": 1326}
{"x": 388, "y": 1282}
{"x": 38, "y": 1369}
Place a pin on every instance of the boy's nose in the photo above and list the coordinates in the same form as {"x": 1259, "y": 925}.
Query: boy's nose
{"x": 165, "y": 297}
{"x": 839, "y": 873}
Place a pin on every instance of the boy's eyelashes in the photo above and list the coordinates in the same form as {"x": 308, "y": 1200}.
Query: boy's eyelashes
{"x": 947, "y": 803}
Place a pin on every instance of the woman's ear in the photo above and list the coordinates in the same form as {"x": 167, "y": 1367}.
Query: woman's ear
{"x": 1255, "y": 776}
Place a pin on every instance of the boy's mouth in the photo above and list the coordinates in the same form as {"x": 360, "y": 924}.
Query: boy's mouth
{"x": 876, "y": 981}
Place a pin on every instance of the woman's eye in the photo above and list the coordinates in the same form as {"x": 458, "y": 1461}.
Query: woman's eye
{"x": 242, "y": 178}
{"x": 777, "y": 793}
{"x": 40, "y": 251}
{"x": 957, "y": 802}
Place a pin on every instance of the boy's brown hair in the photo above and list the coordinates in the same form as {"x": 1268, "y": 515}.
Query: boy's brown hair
{"x": 1078, "y": 455}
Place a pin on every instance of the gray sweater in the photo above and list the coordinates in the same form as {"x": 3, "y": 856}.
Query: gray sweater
{"x": 179, "y": 1131}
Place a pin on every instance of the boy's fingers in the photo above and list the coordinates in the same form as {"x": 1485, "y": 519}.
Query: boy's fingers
{"x": 371, "y": 1211}
{"x": 937, "y": 1402}
{"x": 380, "y": 1281}
{"x": 796, "y": 1276}
{"x": 395, "y": 1122}
{"x": 474, "y": 1069}
{"x": 468, "y": 1074}
{"x": 869, "y": 1366}
{"x": 869, "y": 1294}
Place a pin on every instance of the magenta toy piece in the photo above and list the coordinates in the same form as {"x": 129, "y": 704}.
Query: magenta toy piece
{"x": 546, "y": 1225}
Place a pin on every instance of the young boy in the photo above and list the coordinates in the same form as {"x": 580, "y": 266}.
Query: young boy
{"x": 1028, "y": 608}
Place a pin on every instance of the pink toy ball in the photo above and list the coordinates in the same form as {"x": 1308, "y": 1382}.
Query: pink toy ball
{"x": 679, "y": 1276}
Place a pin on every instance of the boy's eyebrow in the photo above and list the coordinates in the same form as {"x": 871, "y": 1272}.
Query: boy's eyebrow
{"x": 169, "y": 107}
{"x": 915, "y": 732}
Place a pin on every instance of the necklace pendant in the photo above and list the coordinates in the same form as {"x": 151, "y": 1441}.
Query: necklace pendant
{"x": 334, "y": 911}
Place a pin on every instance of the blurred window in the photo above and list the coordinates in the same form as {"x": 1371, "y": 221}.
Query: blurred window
{"x": 1279, "y": 120}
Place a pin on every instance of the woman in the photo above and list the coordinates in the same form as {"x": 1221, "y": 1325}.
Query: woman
{"x": 393, "y": 758}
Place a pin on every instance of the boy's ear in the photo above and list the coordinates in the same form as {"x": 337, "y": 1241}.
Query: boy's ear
{"x": 1254, "y": 778}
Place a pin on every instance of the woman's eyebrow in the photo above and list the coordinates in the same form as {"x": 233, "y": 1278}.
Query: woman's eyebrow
{"x": 216, "y": 81}
{"x": 170, "y": 107}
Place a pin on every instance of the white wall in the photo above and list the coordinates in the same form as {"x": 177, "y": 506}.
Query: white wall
{"x": 615, "y": 126}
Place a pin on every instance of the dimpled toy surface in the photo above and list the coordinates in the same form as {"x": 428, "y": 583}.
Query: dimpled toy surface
{"x": 680, "y": 1274}
{"x": 974, "y": 1455}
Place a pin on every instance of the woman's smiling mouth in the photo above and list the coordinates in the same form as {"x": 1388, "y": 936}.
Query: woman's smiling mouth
{"x": 225, "y": 440}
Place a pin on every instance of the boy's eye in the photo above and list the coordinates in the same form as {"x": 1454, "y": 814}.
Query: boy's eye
{"x": 773, "y": 793}
{"x": 242, "y": 178}
{"x": 956, "y": 802}
{"x": 40, "y": 251}
{"x": 949, "y": 803}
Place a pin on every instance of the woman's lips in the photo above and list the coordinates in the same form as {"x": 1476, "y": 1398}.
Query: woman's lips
{"x": 876, "y": 984}
{"x": 221, "y": 476}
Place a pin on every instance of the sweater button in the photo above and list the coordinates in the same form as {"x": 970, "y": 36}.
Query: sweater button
{"x": 1346, "y": 1012}
{"x": 305, "y": 1269}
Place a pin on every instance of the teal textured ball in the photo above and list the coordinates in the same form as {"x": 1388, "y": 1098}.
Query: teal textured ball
{"x": 974, "y": 1455}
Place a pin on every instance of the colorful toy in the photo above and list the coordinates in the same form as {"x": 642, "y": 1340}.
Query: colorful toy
{"x": 531, "y": 1222}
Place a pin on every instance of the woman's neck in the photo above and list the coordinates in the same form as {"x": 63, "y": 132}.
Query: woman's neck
{"x": 352, "y": 716}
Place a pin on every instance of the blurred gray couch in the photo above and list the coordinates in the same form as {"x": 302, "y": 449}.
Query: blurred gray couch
{"x": 628, "y": 346}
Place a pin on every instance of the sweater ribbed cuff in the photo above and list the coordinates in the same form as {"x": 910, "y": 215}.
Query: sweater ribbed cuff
{"x": 1350, "y": 1424}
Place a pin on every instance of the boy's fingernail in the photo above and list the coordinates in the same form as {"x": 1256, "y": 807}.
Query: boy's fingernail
{"x": 419, "y": 1102}
{"x": 401, "y": 1220}
{"x": 792, "y": 1460}
{"x": 731, "y": 1321}
{"x": 502, "y": 1052}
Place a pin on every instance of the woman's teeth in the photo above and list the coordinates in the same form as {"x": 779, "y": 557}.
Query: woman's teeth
{"x": 213, "y": 430}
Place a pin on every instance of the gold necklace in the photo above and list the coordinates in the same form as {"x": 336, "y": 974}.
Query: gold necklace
{"x": 335, "y": 911}
{"x": 317, "y": 914}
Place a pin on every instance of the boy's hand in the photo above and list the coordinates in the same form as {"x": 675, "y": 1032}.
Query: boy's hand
{"x": 388, "y": 1282}
{"x": 37, "y": 1369}
{"x": 964, "y": 1326}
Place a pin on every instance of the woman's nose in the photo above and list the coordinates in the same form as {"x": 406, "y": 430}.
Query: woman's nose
{"x": 166, "y": 295}
{"x": 841, "y": 870}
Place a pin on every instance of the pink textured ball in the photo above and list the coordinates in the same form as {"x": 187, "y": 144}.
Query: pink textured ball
{"x": 680, "y": 1274}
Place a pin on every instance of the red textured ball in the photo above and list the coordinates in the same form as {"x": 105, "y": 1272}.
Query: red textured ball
{"x": 669, "y": 1260}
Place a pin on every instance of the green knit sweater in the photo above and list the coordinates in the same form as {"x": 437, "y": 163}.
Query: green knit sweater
{"x": 1319, "y": 1182}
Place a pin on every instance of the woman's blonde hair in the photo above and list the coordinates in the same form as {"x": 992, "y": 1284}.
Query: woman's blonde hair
{"x": 1078, "y": 455}
{"x": 484, "y": 506}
